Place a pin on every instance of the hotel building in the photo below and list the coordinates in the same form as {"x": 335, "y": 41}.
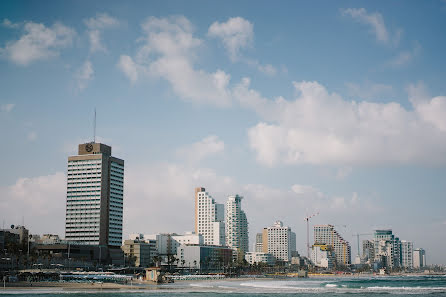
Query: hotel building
{"x": 95, "y": 187}
{"x": 326, "y": 234}
{"x": 209, "y": 218}
{"x": 236, "y": 225}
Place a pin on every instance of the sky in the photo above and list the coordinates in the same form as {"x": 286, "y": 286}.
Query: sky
{"x": 329, "y": 107}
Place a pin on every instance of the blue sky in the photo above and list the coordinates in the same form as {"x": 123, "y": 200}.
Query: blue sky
{"x": 336, "y": 107}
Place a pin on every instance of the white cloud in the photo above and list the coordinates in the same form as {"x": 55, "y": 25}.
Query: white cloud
{"x": 405, "y": 57}
{"x": 323, "y": 128}
{"x": 376, "y": 23}
{"x": 202, "y": 149}
{"x": 236, "y": 34}
{"x": 7, "y": 107}
{"x": 38, "y": 42}
{"x": 168, "y": 50}
{"x": 268, "y": 69}
{"x": 39, "y": 200}
{"x": 84, "y": 74}
{"x": 96, "y": 25}
{"x": 8, "y": 24}
{"x": 32, "y": 136}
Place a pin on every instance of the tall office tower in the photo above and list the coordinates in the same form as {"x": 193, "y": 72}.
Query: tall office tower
{"x": 259, "y": 243}
{"x": 368, "y": 250}
{"x": 279, "y": 241}
{"x": 209, "y": 218}
{"x": 236, "y": 225}
{"x": 387, "y": 245}
{"x": 95, "y": 188}
{"x": 326, "y": 234}
{"x": 407, "y": 254}
{"x": 419, "y": 258}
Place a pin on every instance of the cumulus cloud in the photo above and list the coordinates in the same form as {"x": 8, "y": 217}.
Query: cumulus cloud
{"x": 38, "y": 42}
{"x": 267, "y": 69}
{"x": 40, "y": 201}
{"x": 235, "y": 34}
{"x": 168, "y": 50}
{"x": 7, "y": 107}
{"x": 322, "y": 128}
{"x": 84, "y": 74}
{"x": 202, "y": 149}
{"x": 95, "y": 26}
{"x": 376, "y": 23}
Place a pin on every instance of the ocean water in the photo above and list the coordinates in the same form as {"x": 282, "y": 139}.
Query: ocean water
{"x": 334, "y": 286}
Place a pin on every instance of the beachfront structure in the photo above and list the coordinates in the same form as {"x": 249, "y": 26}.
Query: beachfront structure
{"x": 259, "y": 257}
{"x": 138, "y": 252}
{"x": 209, "y": 218}
{"x": 327, "y": 235}
{"x": 236, "y": 226}
{"x": 322, "y": 255}
{"x": 407, "y": 254}
{"x": 95, "y": 196}
{"x": 204, "y": 257}
{"x": 279, "y": 241}
{"x": 419, "y": 258}
{"x": 387, "y": 248}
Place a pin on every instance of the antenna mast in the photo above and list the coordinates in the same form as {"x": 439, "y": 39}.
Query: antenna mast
{"x": 94, "y": 126}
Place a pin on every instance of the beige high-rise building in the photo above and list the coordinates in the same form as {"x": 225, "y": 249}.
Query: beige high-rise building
{"x": 95, "y": 192}
{"x": 326, "y": 234}
{"x": 209, "y": 218}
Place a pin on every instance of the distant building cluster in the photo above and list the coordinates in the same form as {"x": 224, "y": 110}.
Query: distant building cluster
{"x": 94, "y": 224}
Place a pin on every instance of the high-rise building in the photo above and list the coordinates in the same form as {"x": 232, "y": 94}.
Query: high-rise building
{"x": 279, "y": 241}
{"x": 259, "y": 243}
{"x": 368, "y": 250}
{"x": 326, "y": 234}
{"x": 407, "y": 254}
{"x": 387, "y": 248}
{"x": 236, "y": 225}
{"x": 209, "y": 218}
{"x": 419, "y": 258}
{"x": 95, "y": 192}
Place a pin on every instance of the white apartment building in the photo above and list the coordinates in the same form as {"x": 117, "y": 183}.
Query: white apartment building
{"x": 326, "y": 234}
{"x": 95, "y": 191}
{"x": 236, "y": 225}
{"x": 279, "y": 241}
{"x": 407, "y": 254}
{"x": 259, "y": 257}
{"x": 209, "y": 218}
{"x": 391, "y": 250}
{"x": 322, "y": 255}
{"x": 419, "y": 258}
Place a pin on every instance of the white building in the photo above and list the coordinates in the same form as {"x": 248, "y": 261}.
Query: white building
{"x": 322, "y": 255}
{"x": 280, "y": 241}
{"x": 391, "y": 250}
{"x": 168, "y": 243}
{"x": 236, "y": 225}
{"x": 419, "y": 258}
{"x": 259, "y": 257}
{"x": 258, "y": 247}
{"x": 407, "y": 254}
{"x": 95, "y": 191}
{"x": 209, "y": 218}
{"x": 326, "y": 234}
{"x": 204, "y": 257}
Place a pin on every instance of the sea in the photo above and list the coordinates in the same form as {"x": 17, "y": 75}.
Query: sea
{"x": 324, "y": 286}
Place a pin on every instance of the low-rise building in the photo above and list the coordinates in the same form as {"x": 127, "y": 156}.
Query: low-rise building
{"x": 204, "y": 257}
{"x": 323, "y": 256}
{"x": 259, "y": 257}
{"x": 138, "y": 252}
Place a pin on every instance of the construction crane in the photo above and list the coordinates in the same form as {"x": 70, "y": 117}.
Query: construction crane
{"x": 357, "y": 240}
{"x": 308, "y": 232}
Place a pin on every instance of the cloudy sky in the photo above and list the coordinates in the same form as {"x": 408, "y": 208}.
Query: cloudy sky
{"x": 330, "y": 107}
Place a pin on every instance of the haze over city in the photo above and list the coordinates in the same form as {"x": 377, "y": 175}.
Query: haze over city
{"x": 330, "y": 107}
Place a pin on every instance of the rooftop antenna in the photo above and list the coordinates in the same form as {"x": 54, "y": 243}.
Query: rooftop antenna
{"x": 94, "y": 126}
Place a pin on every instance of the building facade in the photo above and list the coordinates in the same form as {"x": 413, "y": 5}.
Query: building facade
{"x": 259, "y": 257}
{"x": 323, "y": 256}
{"x": 236, "y": 225}
{"x": 387, "y": 248}
{"x": 259, "y": 243}
{"x": 419, "y": 258}
{"x": 138, "y": 253}
{"x": 204, "y": 257}
{"x": 326, "y": 234}
{"x": 368, "y": 251}
{"x": 279, "y": 241}
{"x": 209, "y": 218}
{"x": 407, "y": 254}
{"x": 95, "y": 196}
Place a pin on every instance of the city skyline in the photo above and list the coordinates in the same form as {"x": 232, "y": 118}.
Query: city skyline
{"x": 299, "y": 109}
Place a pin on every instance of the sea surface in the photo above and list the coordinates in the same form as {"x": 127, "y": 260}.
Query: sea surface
{"x": 327, "y": 286}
